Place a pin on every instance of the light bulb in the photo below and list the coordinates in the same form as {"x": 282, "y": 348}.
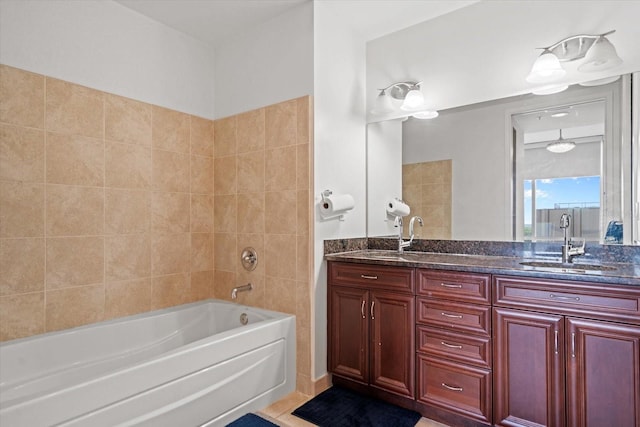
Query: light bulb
{"x": 383, "y": 104}
{"x": 414, "y": 100}
{"x": 601, "y": 55}
{"x": 548, "y": 90}
{"x": 547, "y": 68}
{"x": 426, "y": 114}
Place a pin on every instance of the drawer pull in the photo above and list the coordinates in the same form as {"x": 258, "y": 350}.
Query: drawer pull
{"x": 362, "y": 308}
{"x": 562, "y": 297}
{"x": 453, "y": 316}
{"x": 446, "y": 285}
{"x": 450, "y": 387}
{"x": 364, "y": 276}
{"x": 450, "y": 345}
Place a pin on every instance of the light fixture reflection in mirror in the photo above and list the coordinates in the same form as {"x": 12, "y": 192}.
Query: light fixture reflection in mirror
{"x": 549, "y": 90}
{"x": 427, "y": 114}
{"x": 561, "y": 145}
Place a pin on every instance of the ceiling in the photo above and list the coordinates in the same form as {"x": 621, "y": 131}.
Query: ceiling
{"x": 217, "y": 21}
{"x": 577, "y": 121}
{"x": 211, "y": 21}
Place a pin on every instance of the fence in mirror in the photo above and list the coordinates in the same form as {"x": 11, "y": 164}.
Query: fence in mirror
{"x": 508, "y": 169}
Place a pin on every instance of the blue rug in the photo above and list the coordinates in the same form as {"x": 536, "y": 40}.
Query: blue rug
{"x": 339, "y": 407}
{"x": 251, "y": 420}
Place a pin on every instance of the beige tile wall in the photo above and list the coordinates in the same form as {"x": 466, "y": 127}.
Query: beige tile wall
{"x": 106, "y": 205}
{"x": 426, "y": 187}
{"x": 110, "y": 207}
{"x": 262, "y": 168}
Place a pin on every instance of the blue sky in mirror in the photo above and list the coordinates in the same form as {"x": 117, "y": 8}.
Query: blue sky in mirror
{"x": 562, "y": 193}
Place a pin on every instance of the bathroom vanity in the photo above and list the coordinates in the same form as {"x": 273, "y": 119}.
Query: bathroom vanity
{"x": 485, "y": 340}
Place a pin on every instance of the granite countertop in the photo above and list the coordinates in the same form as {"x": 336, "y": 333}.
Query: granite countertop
{"x": 579, "y": 270}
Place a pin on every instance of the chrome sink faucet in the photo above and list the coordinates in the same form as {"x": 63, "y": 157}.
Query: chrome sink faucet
{"x": 569, "y": 251}
{"x": 398, "y": 223}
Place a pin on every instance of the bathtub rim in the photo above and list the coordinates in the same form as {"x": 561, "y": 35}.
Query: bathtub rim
{"x": 273, "y": 315}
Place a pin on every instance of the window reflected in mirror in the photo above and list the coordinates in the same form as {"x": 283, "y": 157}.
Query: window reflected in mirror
{"x": 545, "y": 200}
{"x": 561, "y": 167}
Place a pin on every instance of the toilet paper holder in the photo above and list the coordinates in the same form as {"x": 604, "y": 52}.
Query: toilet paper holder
{"x": 325, "y": 195}
{"x": 336, "y": 206}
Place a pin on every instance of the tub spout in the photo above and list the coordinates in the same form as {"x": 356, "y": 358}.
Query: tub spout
{"x": 234, "y": 291}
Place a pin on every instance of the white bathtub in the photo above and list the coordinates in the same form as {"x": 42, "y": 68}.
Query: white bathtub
{"x": 191, "y": 365}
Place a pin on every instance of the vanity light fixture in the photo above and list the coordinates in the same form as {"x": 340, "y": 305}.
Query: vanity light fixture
{"x": 550, "y": 89}
{"x": 600, "y": 82}
{"x": 598, "y": 52}
{"x": 426, "y": 114}
{"x": 412, "y": 100}
{"x": 561, "y": 145}
{"x": 546, "y": 69}
{"x": 601, "y": 56}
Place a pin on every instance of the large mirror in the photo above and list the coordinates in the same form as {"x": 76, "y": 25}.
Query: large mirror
{"x": 484, "y": 172}
{"x": 481, "y": 170}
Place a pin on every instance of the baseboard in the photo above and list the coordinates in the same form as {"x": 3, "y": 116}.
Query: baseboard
{"x": 321, "y": 384}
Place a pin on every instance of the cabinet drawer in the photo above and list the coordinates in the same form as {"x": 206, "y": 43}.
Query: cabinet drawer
{"x": 457, "y": 388}
{"x": 454, "y": 346}
{"x": 457, "y": 316}
{"x": 596, "y": 300}
{"x": 399, "y": 279}
{"x": 451, "y": 285}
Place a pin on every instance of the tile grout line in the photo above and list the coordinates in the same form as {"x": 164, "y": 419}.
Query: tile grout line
{"x": 44, "y": 207}
{"x": 104, "y": 207}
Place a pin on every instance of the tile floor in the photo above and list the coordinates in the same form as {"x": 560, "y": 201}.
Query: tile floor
{"x": 280, "y": 413}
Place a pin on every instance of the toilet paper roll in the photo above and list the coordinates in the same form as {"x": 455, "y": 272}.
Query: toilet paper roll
{"x": 397, "y": 207}
{"x": 336, "y": 205}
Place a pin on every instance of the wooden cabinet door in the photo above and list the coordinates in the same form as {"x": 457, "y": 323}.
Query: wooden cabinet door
{"x": 528, "y": 369}
{"x": 348, "y": 333}
{"x": 603, "y": 373}
{"x": 392, "y": 342}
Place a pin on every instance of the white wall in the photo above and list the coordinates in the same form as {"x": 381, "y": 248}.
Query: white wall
{"x": 269, "y": 64}
{"x": 384, "y": 174}
{"x": 339, "y": 144}
{"x": 473, "y": 139}
{"x": 105, "y": 46}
